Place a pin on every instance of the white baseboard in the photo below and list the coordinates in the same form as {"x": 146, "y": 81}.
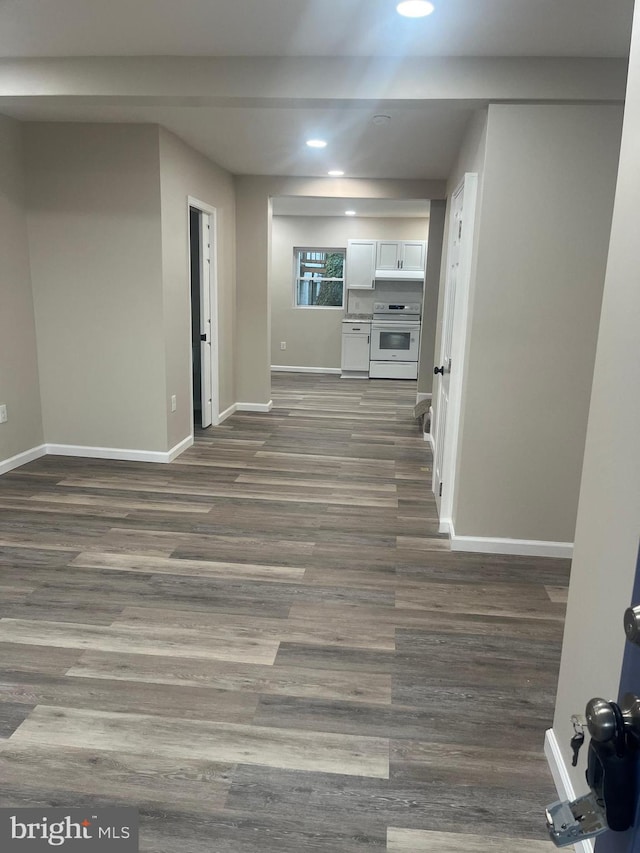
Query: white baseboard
{"x": 95, "y": 453}
{"x": 123, "y": 454}
{"x": 254, "y": 407}
{"x": 420, "y": 396}
{"x": 446, "y": 526}
{"x": 280, "y": 368}
{"x": 562, "y": 780}
{"x": 497, "y": 545}
{"x": 227, "y": 413}
{"x": 118, "y": 452}
{"x": 516, "y": 547}
{"x": 180, "y": 447}
{"x": 244, "y": 407}
{"x": 19, "y": 459}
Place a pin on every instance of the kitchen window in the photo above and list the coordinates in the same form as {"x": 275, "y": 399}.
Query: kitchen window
{"x": 319, "y": 278}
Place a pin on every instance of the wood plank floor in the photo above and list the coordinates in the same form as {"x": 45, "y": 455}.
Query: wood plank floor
{"x": 267, "y": 647}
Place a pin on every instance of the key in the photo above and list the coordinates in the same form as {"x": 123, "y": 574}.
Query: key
{"x": 576, "y": 742}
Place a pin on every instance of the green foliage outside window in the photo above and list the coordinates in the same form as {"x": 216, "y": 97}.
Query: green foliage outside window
{"x": 320, "y": 278}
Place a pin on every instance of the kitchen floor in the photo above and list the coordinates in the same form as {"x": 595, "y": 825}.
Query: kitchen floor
{"x": 266, "y": 646}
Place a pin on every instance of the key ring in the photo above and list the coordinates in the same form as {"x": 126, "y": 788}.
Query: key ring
{"x": 579, "y": 724}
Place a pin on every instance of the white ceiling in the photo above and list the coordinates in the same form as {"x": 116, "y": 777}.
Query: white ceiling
{"x": 312, "y": 28}
{"x": 265, "y": 134}
{"x": 271, "y": 141}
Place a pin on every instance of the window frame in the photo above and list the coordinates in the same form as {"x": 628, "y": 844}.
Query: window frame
{"x": 297, "y": 252}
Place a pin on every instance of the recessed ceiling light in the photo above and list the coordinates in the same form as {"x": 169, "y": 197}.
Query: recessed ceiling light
{"x": 415, "y": 8}
{"x": 316, "y": 143}
{"x": 349, "y": 213}
{"x": 335, "y": 173}
{"x": 381, "y": 119}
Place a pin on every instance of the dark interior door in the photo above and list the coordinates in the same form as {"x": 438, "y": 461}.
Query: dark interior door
{"x": 629, "y": 841}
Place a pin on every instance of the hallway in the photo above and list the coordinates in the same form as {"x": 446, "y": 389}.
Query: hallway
{"x": 267, "y": 647}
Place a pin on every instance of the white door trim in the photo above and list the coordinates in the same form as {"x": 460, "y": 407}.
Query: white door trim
{"x": 212, "y": 212}
{"x": 206, "y": 383}
{"x": 458, "y": 348}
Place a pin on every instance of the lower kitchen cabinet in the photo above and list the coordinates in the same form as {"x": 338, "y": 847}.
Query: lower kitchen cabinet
{"x": 355, "y": 348}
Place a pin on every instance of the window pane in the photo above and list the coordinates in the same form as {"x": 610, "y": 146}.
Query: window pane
{"x": 334, "y": 265}
{"x": 314, "y": 264}
{"x": 311, "y": 292}
{"x": 320, "y": 278}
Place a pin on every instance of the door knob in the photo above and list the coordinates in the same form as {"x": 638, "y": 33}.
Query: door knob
{"x": 601, "y": 720}
{"x": 440, "y": 370}
{"x": 632, "y": 624}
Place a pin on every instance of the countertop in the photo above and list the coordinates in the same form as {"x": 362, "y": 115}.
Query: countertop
{"x": 361, "y": 318}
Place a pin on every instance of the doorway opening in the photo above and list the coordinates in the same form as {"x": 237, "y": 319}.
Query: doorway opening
{"x": 204, "y": 331}
{"x": 310, "y": 294}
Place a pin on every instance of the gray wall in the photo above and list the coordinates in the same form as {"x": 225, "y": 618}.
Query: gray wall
{"x": 606, "y": 543}
{"x": 95, "y": 243}
{"x": 544, "y": 221}
{"x": 19, "y": 386}
{"x": 183, "y": 173}
{"x": 107, "y": 253}
{"x": 313, "y": 335}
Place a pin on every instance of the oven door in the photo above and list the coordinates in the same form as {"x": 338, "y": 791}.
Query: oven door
{"x": 394, "y": 340}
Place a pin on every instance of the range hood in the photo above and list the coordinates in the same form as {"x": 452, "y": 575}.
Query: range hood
{"x": 399, "y": 275}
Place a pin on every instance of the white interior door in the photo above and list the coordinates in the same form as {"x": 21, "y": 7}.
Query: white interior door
{"x": 444, "y": 367}
{"x": 452, "y": 347}
{"x": 206, "y": 389}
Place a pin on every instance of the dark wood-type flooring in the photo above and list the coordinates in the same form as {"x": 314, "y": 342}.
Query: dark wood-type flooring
{"x": 266, "y": 646}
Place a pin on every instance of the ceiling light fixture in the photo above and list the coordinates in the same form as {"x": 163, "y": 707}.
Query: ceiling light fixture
{"x": 335, "y": 173}
{"x": 415, "y": 8}
{"x": 349, "y": 213}
{"x": 316, "y": 143}
{"x": 381, "y": 119}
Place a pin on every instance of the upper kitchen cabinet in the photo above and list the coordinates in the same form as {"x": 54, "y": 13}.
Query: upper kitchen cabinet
{"x": 407, "y": 255}
{"x": 361, "y": 264}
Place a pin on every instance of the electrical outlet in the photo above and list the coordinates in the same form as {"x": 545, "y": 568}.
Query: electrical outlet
{"x": 3, "y": 413}
{"x": 283, "y": 344}
{"x": 174, "y": 403}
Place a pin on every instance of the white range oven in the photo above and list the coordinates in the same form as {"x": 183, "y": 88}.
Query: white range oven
{"x": 395, "y": 341}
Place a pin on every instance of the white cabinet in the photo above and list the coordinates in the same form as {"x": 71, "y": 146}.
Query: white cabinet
{"x": 405, "y": 258}
{"x": 355, "y": 347}
{"x": 408, "y": 255}
{"x": 414, "y": 255}
{"x": 361, "y": 264}
{"x": 388, "y": 256}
